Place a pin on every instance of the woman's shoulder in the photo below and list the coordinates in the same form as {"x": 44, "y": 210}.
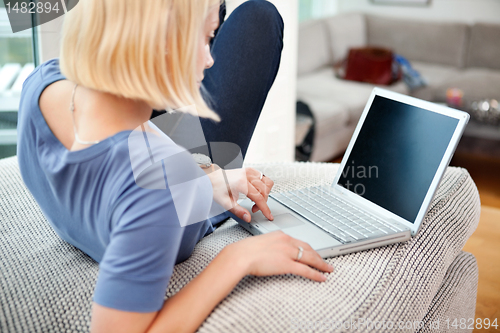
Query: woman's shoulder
{"x": 35, "y": 83}
{"x": 44, "y": 75}
{"x": 46, "y": 71}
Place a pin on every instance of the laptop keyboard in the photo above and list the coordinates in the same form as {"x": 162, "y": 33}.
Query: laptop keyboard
{"x": 342, "y": 220}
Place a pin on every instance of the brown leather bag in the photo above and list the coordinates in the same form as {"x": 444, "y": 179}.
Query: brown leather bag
{"x": 371, "y": 65}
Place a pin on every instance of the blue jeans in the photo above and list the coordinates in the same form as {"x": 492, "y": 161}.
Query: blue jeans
{"x": 247, "y": 53}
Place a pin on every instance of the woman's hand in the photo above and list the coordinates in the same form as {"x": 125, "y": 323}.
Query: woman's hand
{"x": 228, "y": 184}
{"x": 276, "y": 253}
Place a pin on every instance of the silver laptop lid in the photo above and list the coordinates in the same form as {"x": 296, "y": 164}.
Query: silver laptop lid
{"x": 398, "y": 154}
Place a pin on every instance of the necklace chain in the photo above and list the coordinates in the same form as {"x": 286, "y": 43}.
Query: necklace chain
{"x": 72, "y": 109}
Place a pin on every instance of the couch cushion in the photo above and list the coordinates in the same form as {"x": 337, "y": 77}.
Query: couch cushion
{"x": 313, "y": 47}
{"x": 331, "y": 144}
{"x": 434, "y": 42}
{"x": 435, "y": 75}
{"x": 329, "y": 114}
{"x": 476, "y": 83}
{"x": 325, "y": 87}
{"x": 484, "y": 46}
{"x": 345, "y": 31}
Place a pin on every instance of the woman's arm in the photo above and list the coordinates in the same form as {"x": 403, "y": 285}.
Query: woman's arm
{"x": 186, "y": 310}
{"x": 269, "y": 254}
{"x": 183, "y": 312}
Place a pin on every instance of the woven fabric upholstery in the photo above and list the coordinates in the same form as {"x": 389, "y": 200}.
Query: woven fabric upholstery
{"x": 47, "y": 285}
{"x": 455, "y": 298}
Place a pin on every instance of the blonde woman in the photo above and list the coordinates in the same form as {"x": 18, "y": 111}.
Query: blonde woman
{"x": 120, "y": 59}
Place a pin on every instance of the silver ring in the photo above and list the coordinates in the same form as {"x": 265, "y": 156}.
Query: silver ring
{"x": 299, "y": 255}
{"x": 261, "y": 175}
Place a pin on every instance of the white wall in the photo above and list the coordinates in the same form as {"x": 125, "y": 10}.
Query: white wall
{"x": 443, "y": 10}
{"x": 274, "y": 136}
{"x": 49, "y": 37}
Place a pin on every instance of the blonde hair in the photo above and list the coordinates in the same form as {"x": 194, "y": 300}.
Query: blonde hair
{"x": 142, "y": 50}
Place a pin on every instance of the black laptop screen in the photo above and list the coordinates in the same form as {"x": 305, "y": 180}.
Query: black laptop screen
{"x": 396, "y": 155}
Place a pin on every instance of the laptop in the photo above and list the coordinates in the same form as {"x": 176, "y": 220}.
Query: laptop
{"x": 383, "y": 188}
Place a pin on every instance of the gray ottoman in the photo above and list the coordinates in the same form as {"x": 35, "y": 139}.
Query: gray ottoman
{"x": 46, "y": 285}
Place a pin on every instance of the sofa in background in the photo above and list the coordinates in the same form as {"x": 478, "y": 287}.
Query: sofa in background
{"x": 46, "y": 285}
{"x": 448, "y": 55}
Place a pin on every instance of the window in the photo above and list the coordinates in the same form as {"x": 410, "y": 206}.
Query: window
{"x": 312, "y": 9}
{"x": 16, "y": 63}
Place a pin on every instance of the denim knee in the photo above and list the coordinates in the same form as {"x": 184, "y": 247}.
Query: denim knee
{"x": 263, "y": 15}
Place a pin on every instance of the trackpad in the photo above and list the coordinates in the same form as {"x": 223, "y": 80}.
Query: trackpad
{"x": 286, "y": 220}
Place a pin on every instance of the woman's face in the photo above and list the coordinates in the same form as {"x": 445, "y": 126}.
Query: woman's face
{"x": 205, "y": 59}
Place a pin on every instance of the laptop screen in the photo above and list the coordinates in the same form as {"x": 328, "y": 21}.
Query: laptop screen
{"x": 396, "y": 155}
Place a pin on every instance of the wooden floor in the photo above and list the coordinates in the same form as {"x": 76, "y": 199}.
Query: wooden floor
{"x": 486, "y": 175}
{"x": 485, "y": 245}
{"x": 485, "y": 242}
